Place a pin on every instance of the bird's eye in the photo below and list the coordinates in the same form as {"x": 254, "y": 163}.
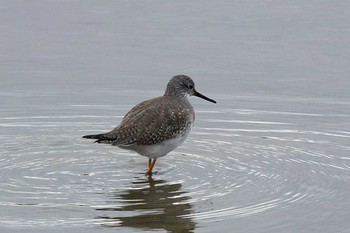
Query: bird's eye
{"x": 190, "y": 86}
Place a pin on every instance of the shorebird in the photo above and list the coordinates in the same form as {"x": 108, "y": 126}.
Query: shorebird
{"x": 156, "y": 126}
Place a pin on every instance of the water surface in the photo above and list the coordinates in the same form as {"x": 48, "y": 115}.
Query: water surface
{"x": 271, "y": 156}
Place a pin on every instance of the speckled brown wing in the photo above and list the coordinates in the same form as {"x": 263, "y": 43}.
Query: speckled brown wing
{"x": 127, "y": 131}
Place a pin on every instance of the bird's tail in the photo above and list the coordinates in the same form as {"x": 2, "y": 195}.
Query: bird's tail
{"x": 100, "y": 137}
{"x": 94, "y": 136}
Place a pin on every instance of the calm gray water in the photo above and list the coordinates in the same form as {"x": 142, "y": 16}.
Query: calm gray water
{"x": 271, "y": 156}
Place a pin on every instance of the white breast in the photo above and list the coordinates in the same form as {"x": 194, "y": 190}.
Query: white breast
{"x": 161, "y": 149}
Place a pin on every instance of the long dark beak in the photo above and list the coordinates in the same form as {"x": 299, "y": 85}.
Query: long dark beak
{"x": 203, "y": 97}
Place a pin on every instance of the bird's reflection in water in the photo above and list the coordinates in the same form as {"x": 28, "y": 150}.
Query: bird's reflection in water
{"x": 149, "y": 205}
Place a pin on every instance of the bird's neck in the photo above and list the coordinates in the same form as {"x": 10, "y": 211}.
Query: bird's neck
{"x": 175, "y": 93}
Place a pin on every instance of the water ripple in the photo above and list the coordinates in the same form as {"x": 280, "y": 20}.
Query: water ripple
{"x": 258, "y": 163}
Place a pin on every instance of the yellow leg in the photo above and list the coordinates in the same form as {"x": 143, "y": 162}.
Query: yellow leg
{"x": 151, "y": 164}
